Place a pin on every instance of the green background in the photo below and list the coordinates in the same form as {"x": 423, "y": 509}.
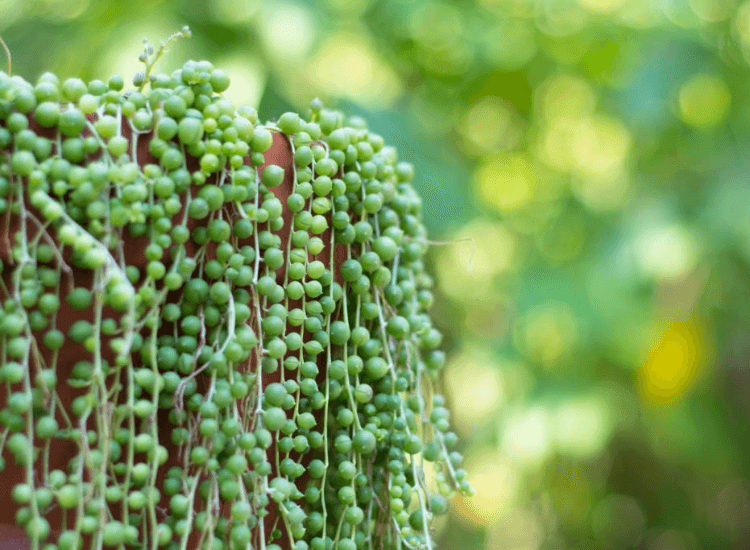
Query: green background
{"x": 584, "y": 164}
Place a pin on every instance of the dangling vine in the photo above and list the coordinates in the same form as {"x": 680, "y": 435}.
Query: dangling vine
{"x": 214, "y": 331}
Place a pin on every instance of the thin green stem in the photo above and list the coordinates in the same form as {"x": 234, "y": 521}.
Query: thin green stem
{"x": 150, "y": 63}
{"x": 8, "y": 56}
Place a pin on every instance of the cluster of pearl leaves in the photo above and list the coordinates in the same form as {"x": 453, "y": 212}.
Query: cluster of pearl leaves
{"x": 334, "y": 454}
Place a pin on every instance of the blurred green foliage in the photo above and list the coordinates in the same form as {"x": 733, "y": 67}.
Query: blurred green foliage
{"x": 588, "y": 161}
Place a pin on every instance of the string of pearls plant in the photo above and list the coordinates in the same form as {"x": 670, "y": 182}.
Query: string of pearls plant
{"x": 237, "y": 288}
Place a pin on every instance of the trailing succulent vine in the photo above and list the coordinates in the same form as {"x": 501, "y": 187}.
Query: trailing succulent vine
{"x": 228, "y": 364}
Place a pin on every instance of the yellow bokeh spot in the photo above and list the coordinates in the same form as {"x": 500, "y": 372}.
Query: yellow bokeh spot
{"x": 506, "y": 182}
{"x": 508, "y": 8}
{"x": 232, "y": 12}
{"x": 640, "y": 14}
{"x": 481, "y": 250}
{"x": 9, "y": 13}
{"x": 346, "y": 65}
{"x": 595, "y": 150}
{"x": 349, "y": 7}
{"x": 63, "y": 10}
{"x": 667, "y": 252}
{"x": 561, "y": 19}
{"x": 438, "y": 32}
{"x": 605, "y": 193}
{"x": 489, "y": 125}
{"x": 566, "y": 96}
{"x": 742, "y": 24}
{"x": 555, "y": 147}
{"x": 583, "y": 425}
{"x": 547, "y": 333}
{"x": 435, "y": 26}
{"x": 681, "y": 15}
{"x": 497, "y": 483}
{"x": 673, "y": 366}
{"x": 248, "y": 79}
{"x": 601, "y": 6}
{"x": 704, "y": 100}
{"x": 511, "y": 43}
{"x": 430, "y": 472}
{"x": 600, "y": 147}
{"x": 287, "y": 31}
{"x": 520, "y": 530}
{"x": 526, "y": 436}
{"x": 477, "y": 390}
{"x": 713, "y": 11}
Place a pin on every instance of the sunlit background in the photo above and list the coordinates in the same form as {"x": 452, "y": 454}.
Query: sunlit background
{"x": 590, "y": 162}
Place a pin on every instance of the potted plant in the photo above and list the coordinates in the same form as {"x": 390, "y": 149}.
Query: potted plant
{"x": 214, "y": 331}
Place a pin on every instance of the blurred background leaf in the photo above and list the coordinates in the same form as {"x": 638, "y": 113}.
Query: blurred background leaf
{"x": 588, "y": 159}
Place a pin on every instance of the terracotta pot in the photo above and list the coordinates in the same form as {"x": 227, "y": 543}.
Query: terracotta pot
{"x": 13, "y": 537}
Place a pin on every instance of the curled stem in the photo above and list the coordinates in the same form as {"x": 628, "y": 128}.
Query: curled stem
{"x": 151, "y": 63}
